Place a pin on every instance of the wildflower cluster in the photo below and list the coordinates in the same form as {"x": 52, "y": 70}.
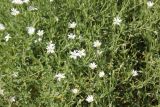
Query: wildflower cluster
{"x": 79, "y": 53}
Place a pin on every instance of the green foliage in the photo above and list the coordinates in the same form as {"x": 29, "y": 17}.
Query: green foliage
{"x": 132, "y": 45}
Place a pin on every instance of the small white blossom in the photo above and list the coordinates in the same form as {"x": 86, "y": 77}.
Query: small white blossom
{"x": 15, "y": 74}
{"x": 39, "y": 39}
{"x": 74, "y": 54}
{"x": 7, "y": 37}
{"x": 1, "y": 92}
{"x": 75, "y": 91}
{"x": 13, "y": 99}
{"x": 80, "y": 37}
{"x": 117, "y": 21}
{"x": 77, "y": 53}
{"x": 56, "y": 18}
{"x": 150, "y": 4}
{"x": 71, "y": 36}
{"x": 32, "y": 8}
{"x": 35, "y": 41}
{"x": 14, "y": 12}
{"x": 51, "y": 0}
{"x": 72, "y": 25}
{"x": 93, "y": 65}
{"x": 40, "y": 32}
{"x": 97, "y": 44}
{"x": 99, "y": 52}
{"x": 90, "y": 98}
{"x": 2, "y": 27}
{"x": 60, "y": 76}
{"x": 156, "y": 32}
{"x": 17, "y": 1}
{"x": 134, "y": 73}
{"x": 31, "y": 30}
{"x": 101, "y": 74}
{"x": 81, "y": 53}
{"x": 50, "y": 47}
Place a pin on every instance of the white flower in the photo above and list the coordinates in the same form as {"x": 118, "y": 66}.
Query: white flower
{"x": 77, "y": 53}
{"x": 101, "y": 74}
{"x": 32, "y": 8}
{"x": 80, "y": 37}
{"x": 50, "y": 47}
{"x": 26, "y": 1}
{"x": 93, "y": 65}
{"x": 14, "y": 12}
{"x": 72, "y": 25}
{"x": 97, "y": 44}
{"x": 81, "y": 53}
{"x": 56, "y": 18}
{"x": 117, "y": 21}
{"x": 150, "y": 4}
{"x": 1, "y": 92}
{"x": 60, "y": 76}
{"x": 156, "y": 32}
{"x": 15, "y": 74}
{"x": 2, "y": 27}
{"x": 51, "y": 0}
{"x": 35, "y": 41}
{"x": 74, "y": 54}
{"x": 134, "y": 73}
{"x": 75, "y": 90}
{"x": 99, "y": 52}
{"x": 13, "y": 99}
{"x": 90, "y": 98}
{"x": 31, "y": 30}
{"x": 17, "y": 1}
{"x": 39, "y": 39}
{"x": 71, "y": 36}
{"x": 7, "y": 37}
{"x": 40, "y": 32}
